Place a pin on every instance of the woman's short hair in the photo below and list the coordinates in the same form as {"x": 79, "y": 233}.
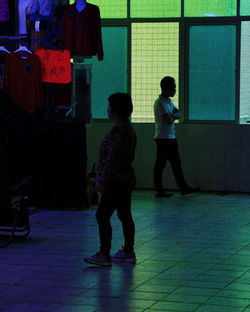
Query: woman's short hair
{"x": 122, "y": 104}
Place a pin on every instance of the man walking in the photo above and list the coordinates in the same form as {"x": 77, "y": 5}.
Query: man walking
{"x": 167, "y": 148}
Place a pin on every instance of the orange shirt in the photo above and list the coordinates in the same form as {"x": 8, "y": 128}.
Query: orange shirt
{"x": 55, "y": 64}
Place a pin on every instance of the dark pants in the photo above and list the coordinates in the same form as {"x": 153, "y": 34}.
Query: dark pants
{"x": 117, "y": 197}
{"x": 167, "y": 149}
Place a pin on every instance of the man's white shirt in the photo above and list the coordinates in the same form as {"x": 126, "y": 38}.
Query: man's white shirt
{"x": 162, "y": 129}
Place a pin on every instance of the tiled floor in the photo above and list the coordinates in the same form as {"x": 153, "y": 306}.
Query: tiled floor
{"x": 193, "y": 255}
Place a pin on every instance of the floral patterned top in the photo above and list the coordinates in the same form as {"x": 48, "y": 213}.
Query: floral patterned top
{"x": 116, "y": 155}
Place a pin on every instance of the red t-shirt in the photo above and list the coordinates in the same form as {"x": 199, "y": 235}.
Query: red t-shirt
{"x": 23, "y": 80}
{"x": 81, "y": 31}
{"x": 55, "y": 64}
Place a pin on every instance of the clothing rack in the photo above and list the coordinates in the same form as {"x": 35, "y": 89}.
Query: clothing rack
{"x": 12, "y": 42}
{"x": 14, "y": 37}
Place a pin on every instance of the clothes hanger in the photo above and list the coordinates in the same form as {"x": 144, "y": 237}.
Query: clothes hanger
{"x": 2, "y": 48}
{"x": 22, "y": 48}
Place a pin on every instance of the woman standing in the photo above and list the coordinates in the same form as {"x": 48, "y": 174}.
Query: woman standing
{"x": 116, "y": 180}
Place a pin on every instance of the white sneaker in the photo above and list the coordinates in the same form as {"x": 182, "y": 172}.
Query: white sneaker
{"x": 123, "y": 256}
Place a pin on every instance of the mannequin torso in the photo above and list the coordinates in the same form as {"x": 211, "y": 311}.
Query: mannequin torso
{"x": 80, "y": 5}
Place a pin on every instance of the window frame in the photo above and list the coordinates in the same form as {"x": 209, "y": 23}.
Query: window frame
{"x": 185, "y": 107}
{"x": 184, "y": 24}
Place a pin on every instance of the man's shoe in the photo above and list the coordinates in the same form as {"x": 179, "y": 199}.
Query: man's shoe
{"x": 99, "y": 259}
{"x": 123, "y": 256}
{"x": 163, "y": 195}
{"x": 189, "y": 190}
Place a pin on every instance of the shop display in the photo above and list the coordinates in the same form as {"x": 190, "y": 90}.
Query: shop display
{"x": 23, "y": 80}
{"x": 81, "y": 30}
{"x": 39, "y": 117}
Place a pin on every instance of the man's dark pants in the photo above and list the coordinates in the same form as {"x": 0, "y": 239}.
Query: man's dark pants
{"x": 167, "y": 149}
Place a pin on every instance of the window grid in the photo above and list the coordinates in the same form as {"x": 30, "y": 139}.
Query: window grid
{"x": 156, "y": 8}
{"x": 245, "y": 74}
{"x": 164, "y": 9}
{"x": 155, "y": 54}
{"x": 244, "y": 7}
{"x": 211, "y": 8}
{"x": 169, "y": 8}
{"x": 211, "y": 77}
{"x": 110, "y": 8}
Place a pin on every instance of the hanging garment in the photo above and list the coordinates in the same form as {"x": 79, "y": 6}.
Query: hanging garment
{"x": 22, "y": 6}
{"x": 40, "y": 9}
{"x": 38, "y": 39}
{"x": 55, "y": 64}
{"x": 4, "y": 11}
{"x": 2, "y": 60}
{"x": 39, "y": 12}
{"x": 23, "y": 80}
{"x": 81, "y": 31}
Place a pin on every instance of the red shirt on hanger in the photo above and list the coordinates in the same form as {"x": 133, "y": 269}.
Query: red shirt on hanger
{"x": 23, "y": 80}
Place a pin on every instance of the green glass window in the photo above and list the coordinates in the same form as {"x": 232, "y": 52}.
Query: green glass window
{"x": 155, "y": 9}
{"x": 110, "y": 75}
{"x": 155, "y": 54}
{"x": 244, "y": 7}
{"x": 209, "y": 8}
{"x": 112, "y": 8}
{"x": 245, "y": 74}
{"x": 211, "y": 72}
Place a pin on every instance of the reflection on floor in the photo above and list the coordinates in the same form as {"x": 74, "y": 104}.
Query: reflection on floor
{"x": 193, "y": 255}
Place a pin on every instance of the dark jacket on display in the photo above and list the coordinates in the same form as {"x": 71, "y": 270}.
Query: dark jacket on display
{"x": 81, "y": 31}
